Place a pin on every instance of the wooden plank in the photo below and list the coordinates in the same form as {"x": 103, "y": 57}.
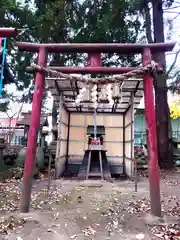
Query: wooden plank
{"x": 49, "y": 173}
{"x": 59, "y": 125}
{"x": 113, "y": 120}
{"x": 128, "y": 133}
{"x": 128, "y": 115}
{"x": 76, "y": 148}
{"x": 101, "y": 167}
{"x": 113, "y": 138}
{"x": 78, "y": 119}
{"x": 128, "y": 149}
{"x": 85, "y": 126}
{"x": 63, "y": 146}
{"x": 99, "y": 119}
{"x": 64, "y": 130}
{"x": 64, "y": 117}
{"x": 89, "y": 164}
{"x": 132, "y": 136}
{"x": 124, "y": 138}
{"x": 114, "y": 149}
{"x": 85, "y": 132}
{"x": 110, "y": 120}
{"x": 128, "y": 166}
{"x": 113, "y": 134}
{"x": 67, "y": 146}
{"x": 77, "y": 133}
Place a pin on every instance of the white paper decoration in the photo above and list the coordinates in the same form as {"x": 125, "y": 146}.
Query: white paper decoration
{"x": 80, "y": 96}
{"x": 109, "y": 94}
{"x": 94, "y": 96}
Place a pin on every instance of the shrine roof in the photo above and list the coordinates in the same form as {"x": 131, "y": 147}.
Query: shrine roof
{"x": 70, "y": 89}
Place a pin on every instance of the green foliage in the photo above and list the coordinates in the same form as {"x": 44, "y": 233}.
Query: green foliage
{"x": 13, "y": 14}
{"x": 88, "y": 21}
{"x": 106, "y": 21}
{"x": 4, "y": 101}
{"x": 70, "y": 21}
{"x": 4, "y": 106}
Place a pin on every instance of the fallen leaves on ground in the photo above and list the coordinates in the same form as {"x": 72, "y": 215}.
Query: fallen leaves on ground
{"x": 112, "y": 208}
{"x": 164, "y": 231}
{"x": 10, "y": 223}
{"x": 9, "y": 196}
{"x": 173, "y": 183}
{"x": 89, "y": 231}
{"x": 138, "y": 206}
{"x": 169, "y": 232}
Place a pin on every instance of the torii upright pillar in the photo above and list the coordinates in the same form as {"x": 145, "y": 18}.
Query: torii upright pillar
{"x": 33, "y": 131}
{"x": 153, "y": 167}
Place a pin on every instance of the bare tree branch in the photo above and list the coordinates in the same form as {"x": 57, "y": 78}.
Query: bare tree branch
{"x": 173, "y": 64}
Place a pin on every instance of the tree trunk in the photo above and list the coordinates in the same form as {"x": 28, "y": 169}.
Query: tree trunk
{"x": 161, "y": 101}
{"x": 148, "y": 25}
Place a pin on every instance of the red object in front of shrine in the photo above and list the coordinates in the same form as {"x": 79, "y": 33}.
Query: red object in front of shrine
{"x": 95, "y": 143}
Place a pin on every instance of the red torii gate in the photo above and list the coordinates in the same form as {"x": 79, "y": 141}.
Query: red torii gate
{"x": 8, "y": 32}
{"x": 93, "y": 49}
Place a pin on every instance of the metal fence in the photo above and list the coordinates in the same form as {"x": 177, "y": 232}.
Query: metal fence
{"x": 176, "y": 134}
{"x": 140, "y": 137}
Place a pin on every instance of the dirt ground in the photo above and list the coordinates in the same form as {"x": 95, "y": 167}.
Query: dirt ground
{"x": 90, "y": 210}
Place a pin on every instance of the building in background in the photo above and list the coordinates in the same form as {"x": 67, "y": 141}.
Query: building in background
{"x": 15, "y": 129}
{"x": 24, "y": 122}
{"x": 9, "y": 130}
{"x": 140, "y": 128}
